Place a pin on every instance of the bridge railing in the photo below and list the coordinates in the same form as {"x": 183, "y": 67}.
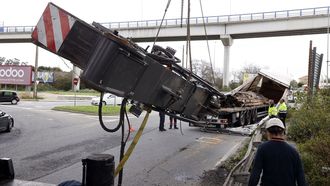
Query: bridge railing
{"x": 248, "y": 17}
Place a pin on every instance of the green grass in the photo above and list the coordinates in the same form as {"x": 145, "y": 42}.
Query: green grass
{"x": 82, "y": 92}
{"x": 92, "y": 110}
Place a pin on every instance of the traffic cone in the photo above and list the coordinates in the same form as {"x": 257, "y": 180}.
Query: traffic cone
{"x": 131, "y": 129}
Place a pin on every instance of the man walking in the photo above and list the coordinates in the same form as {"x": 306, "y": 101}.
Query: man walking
{"x": 279, "y": 162}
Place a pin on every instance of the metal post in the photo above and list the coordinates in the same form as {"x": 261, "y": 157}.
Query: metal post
{"x": 327, "y": 80}
{"x": 35, "y": 74}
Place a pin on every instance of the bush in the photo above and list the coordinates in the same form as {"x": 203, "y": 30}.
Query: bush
{"x": 313, "y": 156}
{"x": 310, "y": 128}
{"x": 313, "y": 117}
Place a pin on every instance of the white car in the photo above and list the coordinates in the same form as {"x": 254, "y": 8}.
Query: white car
{"x": 108, "y": 99}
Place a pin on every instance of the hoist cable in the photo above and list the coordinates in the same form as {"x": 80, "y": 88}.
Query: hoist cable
{"x": 161, "y": 23}
{"x": 207, "y": 41}
{"x": 182, "y": 5}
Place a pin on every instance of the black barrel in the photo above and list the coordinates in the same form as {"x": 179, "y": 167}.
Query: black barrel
{"x": 98, "y": 170}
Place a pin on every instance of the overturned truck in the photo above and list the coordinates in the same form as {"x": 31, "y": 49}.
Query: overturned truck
{"x": 248, "y": 102}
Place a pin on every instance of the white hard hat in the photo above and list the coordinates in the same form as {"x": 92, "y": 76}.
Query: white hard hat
{"x": 274, "y": 122}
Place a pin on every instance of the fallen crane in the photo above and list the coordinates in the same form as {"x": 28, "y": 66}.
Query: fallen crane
{"x": 112, "y": 63}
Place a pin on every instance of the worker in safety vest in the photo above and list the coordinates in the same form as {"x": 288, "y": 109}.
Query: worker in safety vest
{"x": 272, "y": 110}
{"x": 282, "y": 110}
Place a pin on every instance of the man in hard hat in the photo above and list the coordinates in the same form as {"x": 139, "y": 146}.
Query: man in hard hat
{"x": 282, "y": 110}
{"x": 272, "y": 110}
{"x": 278, "y": 161}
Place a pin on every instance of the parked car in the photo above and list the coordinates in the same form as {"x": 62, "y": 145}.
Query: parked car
{"x": 6, "y": 122}
{"x": 108, "y": 99}
{"x": 9, "y": 96}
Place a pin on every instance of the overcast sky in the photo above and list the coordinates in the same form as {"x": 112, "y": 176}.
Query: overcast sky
{"x": 284, "y": 55}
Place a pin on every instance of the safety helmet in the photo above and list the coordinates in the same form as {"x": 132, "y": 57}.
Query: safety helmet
{"x": 274, "y": 122}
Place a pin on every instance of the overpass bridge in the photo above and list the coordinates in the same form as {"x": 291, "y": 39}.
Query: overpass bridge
{"x": 224, "y": 28}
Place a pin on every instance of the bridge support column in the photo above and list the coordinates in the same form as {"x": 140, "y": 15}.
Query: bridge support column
{"x": 227, "y": 41}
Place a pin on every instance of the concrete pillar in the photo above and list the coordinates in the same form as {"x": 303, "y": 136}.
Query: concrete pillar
{"x": 227, "y": 41}
{"x": 75, "y": 74}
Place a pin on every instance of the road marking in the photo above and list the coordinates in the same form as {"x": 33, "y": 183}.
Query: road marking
{"x": 209, "y": 140}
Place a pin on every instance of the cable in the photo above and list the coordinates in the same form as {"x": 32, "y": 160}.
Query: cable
{"x": 207, "y": 41}
{"x": 182, "y": 4}
{"x": 101, "y": 119}
{"x": 161, "y": 23}
{"x": 123, "y": 142}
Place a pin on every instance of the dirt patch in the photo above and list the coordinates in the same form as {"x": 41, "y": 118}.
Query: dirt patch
{"x": 214, "y": 177}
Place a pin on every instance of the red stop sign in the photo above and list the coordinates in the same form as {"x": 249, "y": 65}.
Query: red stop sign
{"x": 75, "y": 81}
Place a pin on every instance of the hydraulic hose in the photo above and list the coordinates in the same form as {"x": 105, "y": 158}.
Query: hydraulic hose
{"x": 123, "y": 104}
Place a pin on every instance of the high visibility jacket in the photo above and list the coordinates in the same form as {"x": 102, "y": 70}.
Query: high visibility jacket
{"x": 272, "y": 111}
{"x": 282, "y": 108}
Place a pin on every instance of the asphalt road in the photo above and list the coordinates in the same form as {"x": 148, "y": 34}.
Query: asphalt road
{"x": 48, "y": 146}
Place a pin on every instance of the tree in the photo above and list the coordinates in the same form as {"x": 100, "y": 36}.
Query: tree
{"x": 294, "y": 84}
{"x": 2, "y": 60}
{"x": 203, "y": 69}
{"x": 248, "y": 69}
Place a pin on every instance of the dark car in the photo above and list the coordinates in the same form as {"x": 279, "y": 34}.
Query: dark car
{"x": 6, "y": 122}
{"x": 9, "y": 96}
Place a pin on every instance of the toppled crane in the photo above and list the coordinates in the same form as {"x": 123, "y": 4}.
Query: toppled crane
{"x": 112, "y": 63}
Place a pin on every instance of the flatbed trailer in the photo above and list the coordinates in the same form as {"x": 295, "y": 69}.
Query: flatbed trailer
{"x": 263, "y": 84}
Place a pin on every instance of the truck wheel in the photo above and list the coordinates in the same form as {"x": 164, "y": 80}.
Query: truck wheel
{"x": 248, "y": 117}
{"x": 254, "y": 116}
{"x": 242, "y": 118}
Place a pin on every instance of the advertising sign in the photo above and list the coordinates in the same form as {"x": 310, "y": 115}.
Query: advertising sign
{"x": 44, "y": 77}
{"x": 15, "y": 75}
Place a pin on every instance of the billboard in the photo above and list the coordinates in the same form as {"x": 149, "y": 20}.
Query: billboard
{"x": 44, "y": 77}
{"x": 15, "y": 75}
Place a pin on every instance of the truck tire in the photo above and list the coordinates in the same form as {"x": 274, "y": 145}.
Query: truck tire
{"x": 241, "y": 120}
{"x": 254, "y": 116}
{"x": 248, "y": 117}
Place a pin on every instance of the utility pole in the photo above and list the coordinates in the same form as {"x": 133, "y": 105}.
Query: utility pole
{"x": 35, "y": 74}
{"x": 327, "y": 80}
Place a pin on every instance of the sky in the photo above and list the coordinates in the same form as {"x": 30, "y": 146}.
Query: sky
{"x": 287, "y": 56}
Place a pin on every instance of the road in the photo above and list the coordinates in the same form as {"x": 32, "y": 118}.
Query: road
{"x": 48, "y": 146}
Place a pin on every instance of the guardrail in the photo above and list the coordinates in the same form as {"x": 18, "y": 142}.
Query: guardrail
{"x": 222, "y": 19}
{"x": 240, "y": 173}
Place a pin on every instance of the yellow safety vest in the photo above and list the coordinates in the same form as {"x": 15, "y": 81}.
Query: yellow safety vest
{"x": 282, "y": 108}
{"x": 272, "y": 111}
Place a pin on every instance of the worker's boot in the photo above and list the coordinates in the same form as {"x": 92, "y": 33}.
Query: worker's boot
{"x": 175, "y": 127}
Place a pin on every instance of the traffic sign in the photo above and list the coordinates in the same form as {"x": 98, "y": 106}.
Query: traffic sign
{"x": 75, "y": 81}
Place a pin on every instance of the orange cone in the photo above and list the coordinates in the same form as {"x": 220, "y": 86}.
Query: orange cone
{"x": 131, "y": 129}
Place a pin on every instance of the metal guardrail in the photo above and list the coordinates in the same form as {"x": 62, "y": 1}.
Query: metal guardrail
{"x": 240, "y": 173}
{"x": 222, "y": 19}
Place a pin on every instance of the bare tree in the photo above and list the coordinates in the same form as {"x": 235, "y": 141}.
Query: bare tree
{"x": 248, "y": 69}
{"x": 2, "y": 60}
{"x": 203, "y": 69}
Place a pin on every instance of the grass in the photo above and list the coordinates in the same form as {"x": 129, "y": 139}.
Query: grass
{"x": 92, "y": 110}
{"x": 82, "y": 92}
